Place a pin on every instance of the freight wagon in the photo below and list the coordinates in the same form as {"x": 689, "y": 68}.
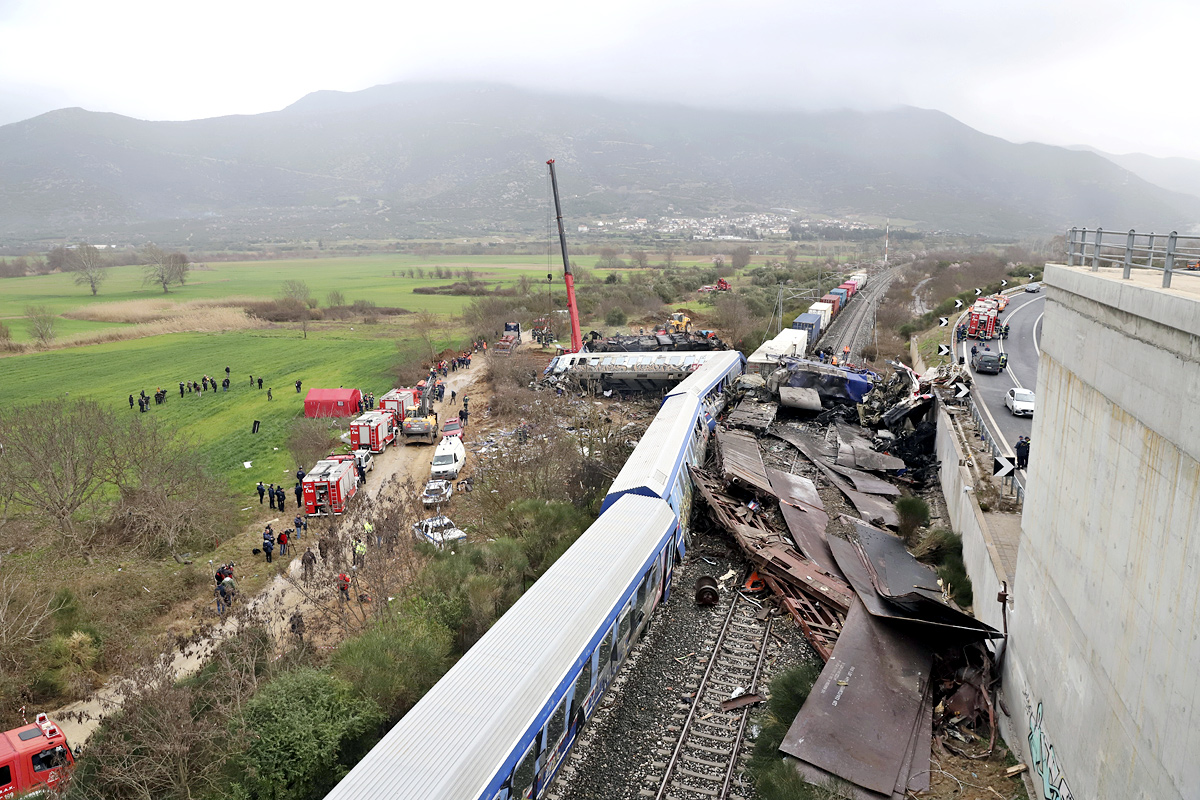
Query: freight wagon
{"x": 809, "y": 323}
{"x": 835, "y": 303}
{"x": 824, "y": 311}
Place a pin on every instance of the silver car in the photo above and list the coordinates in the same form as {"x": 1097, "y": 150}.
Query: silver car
{"x": 436, "y": 493}
{"x": 1020, "y": 402}
{"x": 438, "y": 531}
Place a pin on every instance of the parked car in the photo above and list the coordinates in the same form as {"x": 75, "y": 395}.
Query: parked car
{"x": 986, "y": 361}
{"x": 453, "y": 427}
{"x": 437, "y": 492}
{"x": 364, "y": 459}
{"x": 448, "y": 459}
{"x": 438, "y": 531}
{"x": 1033, "y": 287}
{"x": 1020, "y": 402}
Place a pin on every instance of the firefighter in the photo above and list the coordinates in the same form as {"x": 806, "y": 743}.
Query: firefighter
{"x": 360, "y": 553}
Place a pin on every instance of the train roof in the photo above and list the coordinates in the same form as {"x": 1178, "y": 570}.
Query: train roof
{"x": 711, "y": 373}
{"x": 451, "y": 744}
{"x": 654, "y": 464}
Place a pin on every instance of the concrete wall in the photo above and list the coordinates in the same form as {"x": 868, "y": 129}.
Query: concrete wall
{"x": 1101, "y": 671}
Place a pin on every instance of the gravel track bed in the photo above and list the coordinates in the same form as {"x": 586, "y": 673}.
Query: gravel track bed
{"x": 613, "y": 757}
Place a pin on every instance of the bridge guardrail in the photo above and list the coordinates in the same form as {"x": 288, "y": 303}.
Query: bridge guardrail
{"x": 1168, "y": 253}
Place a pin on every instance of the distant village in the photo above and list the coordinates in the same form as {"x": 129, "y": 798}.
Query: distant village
{"x": 725, "y": 228}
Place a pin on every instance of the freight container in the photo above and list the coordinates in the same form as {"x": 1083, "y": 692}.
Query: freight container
{"x": 842, "y": 293}
{"x": 861, "y": 278}
{"x": 824, "y": 311}
{"x": 850, "y": 286}
{"x": 810, "y": 323}
{"x": 835, "y": 302}
{"x": 790, "y": 342}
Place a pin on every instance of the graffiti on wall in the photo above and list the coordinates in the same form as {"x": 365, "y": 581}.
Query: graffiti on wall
{"x": 1046, "y": 772}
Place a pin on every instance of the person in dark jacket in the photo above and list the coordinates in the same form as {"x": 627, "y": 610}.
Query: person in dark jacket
{"x": 261, "y": 491}
{"x": 268, "y": 543}
{"x": 271, "y": 495}
{"x": 299, "y": 490}
{"x": 280, "y": 497}
{"x": 131, "y": 402}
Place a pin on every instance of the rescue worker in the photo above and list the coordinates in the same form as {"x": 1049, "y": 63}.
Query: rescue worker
{"x": 308, "y": 562}
{"x": 220, "y": 593}
{"x": 343, "y": 585}
{"x": 360, "y": 553}
{"x": 268, "y": 395}
{"x": 296, "y": 625}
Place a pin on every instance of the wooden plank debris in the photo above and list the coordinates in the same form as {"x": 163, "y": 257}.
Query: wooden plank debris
{"x": 753, "y": 415}
{"x": 741, "y": 461}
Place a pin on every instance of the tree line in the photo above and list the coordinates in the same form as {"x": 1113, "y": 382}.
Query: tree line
{"x": 90, "y": 265}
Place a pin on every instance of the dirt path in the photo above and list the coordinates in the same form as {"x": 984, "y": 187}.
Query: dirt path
{"x": 280, "y": 598}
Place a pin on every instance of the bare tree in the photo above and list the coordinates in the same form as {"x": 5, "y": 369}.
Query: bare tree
{"x": 296, "y": 290}
{"x": 335, "y": 298}
{"x": 428, "y": 324}
{"x": 56, "y": 470}
{"x": 88, "y": 265}
{"x": 669, "y": 259}
{"x": 740, "y": 257}
{"x": 310, "y": 440}
{"x": 23, "y": 614}
{"x": 161, "y": 268}
{"x": 41, "y": 323}
{"x": 640, "y": 258}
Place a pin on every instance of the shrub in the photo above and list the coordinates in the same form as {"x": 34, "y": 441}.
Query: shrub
{"x": 913, "y": 513}
{"x": 395, "y": 663}
{"x": 615, "y": 316}
{"x": 304, "y": 729}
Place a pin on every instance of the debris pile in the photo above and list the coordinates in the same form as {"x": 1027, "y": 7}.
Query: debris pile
{"x": 652, "y": 342}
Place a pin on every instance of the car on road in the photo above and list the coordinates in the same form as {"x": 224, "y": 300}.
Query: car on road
{"x": 453, "y": 427}
{"x": 987, "y": 362}
{"x": 1020, "y": 402}
{"x": 438, "y": 531}
{"x": 436, "y": 493}
{"x": 1033, "y": 287}
{"x": 448, "y": 459}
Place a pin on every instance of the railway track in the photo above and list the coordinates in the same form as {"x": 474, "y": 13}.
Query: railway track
{"x": 706, "y": 759}
{"x": 853, "y": 327}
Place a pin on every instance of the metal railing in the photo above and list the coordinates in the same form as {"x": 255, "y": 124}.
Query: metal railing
{"x": 1168, "y": 253}
{"x": 1010, "y": 481}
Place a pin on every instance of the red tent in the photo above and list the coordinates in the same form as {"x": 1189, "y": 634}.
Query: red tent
{"x": 332, "y": 402}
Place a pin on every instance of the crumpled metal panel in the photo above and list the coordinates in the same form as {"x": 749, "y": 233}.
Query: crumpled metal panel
{"x": 741, "y": 460}
{"x": 862, "y": 712}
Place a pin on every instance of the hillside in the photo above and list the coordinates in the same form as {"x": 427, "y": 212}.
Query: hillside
{"x": 427, "y": 160}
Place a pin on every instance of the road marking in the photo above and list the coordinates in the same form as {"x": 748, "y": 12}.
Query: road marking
{"x": 1037, "y": 336}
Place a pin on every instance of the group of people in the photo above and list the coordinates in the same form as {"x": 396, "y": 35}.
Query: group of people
{"x": 278, "y": 496}
{"x": 226, "y": 590}
{"x": 143, "y": 402}
{"x": 207, "y": 383}
{"x": 1022, "y": 448}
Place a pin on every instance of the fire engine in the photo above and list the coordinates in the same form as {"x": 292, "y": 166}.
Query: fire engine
{"x": 329, "y": 486}
{"x": 32, "y": 756}
{"x": 373, "y": 430}
{"x": 981, "y": 319}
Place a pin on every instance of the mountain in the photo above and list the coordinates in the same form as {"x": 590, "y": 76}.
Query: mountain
{"x": 442, "y": 159}
{"x": 1174, "y": 174}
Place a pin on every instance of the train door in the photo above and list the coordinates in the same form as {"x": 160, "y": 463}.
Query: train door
{"x": 525, "y": 773}
{"x": 583, "y": 691}
{"x": 624, "y": 627}
{"x": 668, "y": 568}
{"x": 554, "y": 744}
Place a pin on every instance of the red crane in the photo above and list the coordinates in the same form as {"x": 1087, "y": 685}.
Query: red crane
{"x": 568, "y": 276}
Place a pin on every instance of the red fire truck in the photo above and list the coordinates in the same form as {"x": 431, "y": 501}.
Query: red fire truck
{"x": 329, "y": 486}
{"x": 373, "y": 431}
{"x": 398, "y": 401}
{"x": 981, "y": 319}
{"x": 32, "y": 756}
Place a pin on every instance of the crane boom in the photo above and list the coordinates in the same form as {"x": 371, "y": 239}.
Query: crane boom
{"x": 568, "y": 276}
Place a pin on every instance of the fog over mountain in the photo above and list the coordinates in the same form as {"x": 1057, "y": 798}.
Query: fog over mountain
{"x": 424, "y": 159}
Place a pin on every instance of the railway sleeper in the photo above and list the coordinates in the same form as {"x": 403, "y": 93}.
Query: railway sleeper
{"x": 716, "y": 752}
{"x": 696, "y": 760}
{"x": 704, "y": 776}
{"x": 711, "y": 737}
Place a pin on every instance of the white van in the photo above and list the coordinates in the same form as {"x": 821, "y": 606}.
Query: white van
{"x": 448, "y": 459}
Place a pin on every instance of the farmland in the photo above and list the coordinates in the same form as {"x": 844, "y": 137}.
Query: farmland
{"x": 219, "y": 423}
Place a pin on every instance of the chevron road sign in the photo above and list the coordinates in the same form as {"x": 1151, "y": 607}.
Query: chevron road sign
{"x": 978, "y": 292}
{"x": 1004, "y": 283}
{"x": 963, "y": 389}
{"x": 944, "y": 350}
{"x": 1001, "y": 466}
{"x": 958, "y": 303}
{"x": 943, "y": 322}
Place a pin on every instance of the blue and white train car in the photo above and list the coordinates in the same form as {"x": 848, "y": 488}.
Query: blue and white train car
{"x": 657, "y": 467}
{"x": 712, "y": 381}
{"x": 499, "y": 724}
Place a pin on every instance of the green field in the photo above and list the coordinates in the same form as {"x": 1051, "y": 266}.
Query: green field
{"x": 219, "y": 423}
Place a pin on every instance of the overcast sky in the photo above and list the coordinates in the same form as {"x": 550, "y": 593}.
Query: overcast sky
{"x": 1115, "y": 75}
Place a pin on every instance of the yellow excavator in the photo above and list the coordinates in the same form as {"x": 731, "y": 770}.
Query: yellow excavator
{"x": 679, "y": 323}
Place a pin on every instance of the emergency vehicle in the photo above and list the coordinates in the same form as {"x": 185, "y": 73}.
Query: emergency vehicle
{"x": 329, "y": 486}
{"x": 373, "y": 430}
{"x": 397, "y": 401}
{"x": 981, "y": 319}
{"x": 32, "y": 756}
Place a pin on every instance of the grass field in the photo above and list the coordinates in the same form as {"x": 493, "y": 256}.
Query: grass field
{"x": 219, "y": 423}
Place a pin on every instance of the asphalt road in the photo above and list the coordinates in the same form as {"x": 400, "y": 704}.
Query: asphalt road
{"x": 1024, "y": 318}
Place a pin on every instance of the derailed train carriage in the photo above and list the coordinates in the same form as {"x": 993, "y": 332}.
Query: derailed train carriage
{"x": 500, "y": 723}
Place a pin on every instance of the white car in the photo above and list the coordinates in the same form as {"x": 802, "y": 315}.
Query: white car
{"x": 1020, "y": 402}
{"x": 436, "y": 493}
{"x": 438, "y": 531}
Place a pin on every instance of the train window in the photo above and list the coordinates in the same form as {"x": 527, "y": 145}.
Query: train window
{"x": 5, "y": 776}
{"x": 557, "y": 726}
{"x": 623, "y": 631}
{"x": 583, "y": 685}
{"x": 523, "y": 775}
{"x": 605, "y": 650}
{"x": 641, "y": 592}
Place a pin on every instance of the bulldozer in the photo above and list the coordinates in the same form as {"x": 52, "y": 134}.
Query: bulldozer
{"x": 679, "y": 323}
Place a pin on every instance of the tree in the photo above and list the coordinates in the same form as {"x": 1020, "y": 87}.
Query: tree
{"x": 296, "y": 290}
{"x": 640, "y": 259}
{"x": 161, "y": 268}
{"x": 335, "y": 299}
{"x": 41, "y": 323}
{"x": 669, "y": 260}
{"x": 740, "y": 257}
{"x": 428, "y": 324}
{"x": 309, "y": 440}
{"x": 88, "y": 265}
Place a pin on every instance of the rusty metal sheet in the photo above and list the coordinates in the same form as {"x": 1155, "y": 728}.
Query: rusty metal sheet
{"x": 914, "y": 607}
{"x": 861, "y": 713}
{"x": 752, "y": 414}
{"x": 868, "y": 484}
{"x": 872, "y": 508}
{"x": 740, "y": 459}
{"x": 794, "y": 489}
{"x": 741, "y": 701}
{"x": 897, "y": 571}
{"x": 790, "y": 566}
{"x": 807, "y": 526}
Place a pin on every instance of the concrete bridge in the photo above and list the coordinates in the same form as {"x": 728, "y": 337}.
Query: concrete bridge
{"x": 1100, "y": 676}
